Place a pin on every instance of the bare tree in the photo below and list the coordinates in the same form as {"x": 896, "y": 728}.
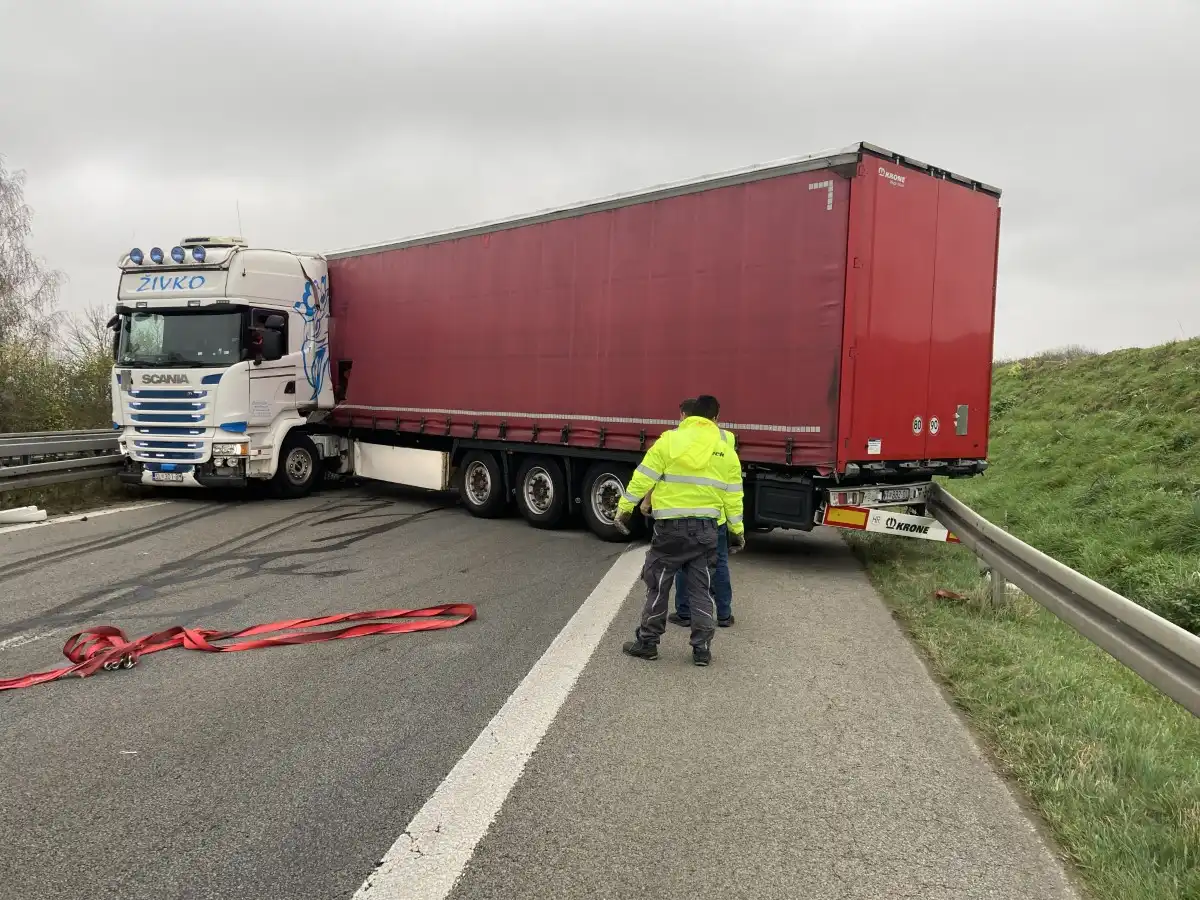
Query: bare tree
{"x": 27, "y": 288}
{"x": 34, "y": 382}
{"x": 87, "y": 335}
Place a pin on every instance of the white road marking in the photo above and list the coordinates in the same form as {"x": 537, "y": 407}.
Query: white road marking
{"x": 429, "y": 856}
{"x": 80, "y": 516}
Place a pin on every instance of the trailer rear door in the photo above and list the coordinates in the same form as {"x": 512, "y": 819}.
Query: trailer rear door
{"x": 917, "y": 333}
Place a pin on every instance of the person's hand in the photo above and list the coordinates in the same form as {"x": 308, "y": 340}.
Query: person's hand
{"x": 621, "y": 522}
{"x": 737, "y": 542}
{"x": 647, "y": 504}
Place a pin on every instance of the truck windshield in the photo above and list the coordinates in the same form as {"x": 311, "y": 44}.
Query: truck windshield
{"x": 180, "y": 339}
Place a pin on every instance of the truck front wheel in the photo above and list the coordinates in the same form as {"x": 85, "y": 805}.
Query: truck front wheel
{"x": 299, "y": 467}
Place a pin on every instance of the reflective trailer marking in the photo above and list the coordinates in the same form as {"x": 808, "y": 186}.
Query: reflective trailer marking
{"x": 880, "y": 521}
{"x": 828, "y": 185}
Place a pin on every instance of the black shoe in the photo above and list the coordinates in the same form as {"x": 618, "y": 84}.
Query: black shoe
{"x": 641, "y": 650}
{"x": 701, "y": 656}
{"x": 725, "y": 623}
{"x": 680, "y": 620}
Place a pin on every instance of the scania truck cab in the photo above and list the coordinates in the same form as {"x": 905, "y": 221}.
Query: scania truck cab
{"x": 222, "y": 354}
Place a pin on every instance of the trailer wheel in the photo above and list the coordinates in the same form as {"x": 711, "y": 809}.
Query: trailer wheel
{"x": 542, "y": 494}
{"x": 299, "y": 467}
{"x": 481, "y": 485}
{"x": 602, "y": 487}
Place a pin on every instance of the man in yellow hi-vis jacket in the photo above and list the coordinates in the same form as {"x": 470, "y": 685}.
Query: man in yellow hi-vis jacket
{"x": 696, "y": 477}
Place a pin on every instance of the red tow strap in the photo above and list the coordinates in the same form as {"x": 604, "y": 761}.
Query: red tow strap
{"x": 106, "y": 647}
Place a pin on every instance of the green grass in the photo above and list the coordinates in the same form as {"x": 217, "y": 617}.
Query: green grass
{"x": 1096, "y": 461}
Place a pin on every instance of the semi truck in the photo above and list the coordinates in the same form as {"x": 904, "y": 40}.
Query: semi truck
{"x": 839, "y": 305}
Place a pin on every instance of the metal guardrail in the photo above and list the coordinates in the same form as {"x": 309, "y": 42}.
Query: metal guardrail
{"x": 41, "y": 458}
{"x": 1165, "y": 655}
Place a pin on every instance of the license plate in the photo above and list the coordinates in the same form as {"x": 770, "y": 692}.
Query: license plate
{"x": 896, "y": 494}
{"x": 166, "y": 476}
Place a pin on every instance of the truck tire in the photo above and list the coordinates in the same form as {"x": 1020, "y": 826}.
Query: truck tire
{"x": 602, "y": 486}
{"x": 542, "y": 494}
{"x": 299, "y": 468}
{"x": 481, "y": 485}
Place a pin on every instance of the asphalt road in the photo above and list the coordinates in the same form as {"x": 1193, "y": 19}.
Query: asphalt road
{"x": 281, "y": 773}
{"x": 814, "y": 759}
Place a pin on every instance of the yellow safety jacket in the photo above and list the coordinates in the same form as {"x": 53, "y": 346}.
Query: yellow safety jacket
{"x": 694, "y": 473}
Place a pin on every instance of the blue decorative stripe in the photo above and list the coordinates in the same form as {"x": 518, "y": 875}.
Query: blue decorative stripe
{"x": 211, "y": 379}
{"x": 167, "y": 467}
{"x": 153, "y": 454}
{"x": 167, "y": 417}
{"x": 171, "y": 445}
{"x": 168, "y": 395}
{"x": 167, "y": 429}
{"x": 236, "y": 427}
{"x": 116, "y": 427}
{"x": 158, "y": 404}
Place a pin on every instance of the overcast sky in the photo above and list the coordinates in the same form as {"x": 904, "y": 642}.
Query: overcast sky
{"x": 334, "y": 124}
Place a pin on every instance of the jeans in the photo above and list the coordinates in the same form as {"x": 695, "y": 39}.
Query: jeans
{"x": 722, "y": 586}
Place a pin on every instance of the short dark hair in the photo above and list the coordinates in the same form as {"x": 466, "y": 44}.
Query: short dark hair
{"x": 688, "y": 406}
{"x": 706, "y": 405}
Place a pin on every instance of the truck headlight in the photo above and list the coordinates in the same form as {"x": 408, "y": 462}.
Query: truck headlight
{"x": 231, "y": 449}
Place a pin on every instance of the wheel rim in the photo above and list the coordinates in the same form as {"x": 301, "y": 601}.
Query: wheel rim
{"x": 298, "y": 465}
{"x": 539, "y": 491}
{"x": 606, "y": 493}
{"x": 478, "y": 481}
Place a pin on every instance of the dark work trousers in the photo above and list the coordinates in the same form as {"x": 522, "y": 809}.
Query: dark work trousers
{"x": 722, "y": 586}
{"x": 690, "y": 545}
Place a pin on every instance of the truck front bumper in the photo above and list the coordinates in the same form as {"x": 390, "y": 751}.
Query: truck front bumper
{"x": 204, "y": 475}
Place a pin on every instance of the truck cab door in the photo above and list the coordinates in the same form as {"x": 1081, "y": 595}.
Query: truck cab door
{"x": 272, "y": 381}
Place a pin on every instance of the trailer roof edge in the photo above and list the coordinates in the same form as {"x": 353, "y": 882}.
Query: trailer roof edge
{"x": 823, "y": 159}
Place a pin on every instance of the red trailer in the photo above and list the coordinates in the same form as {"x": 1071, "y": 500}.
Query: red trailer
{"x": 840, "y": 306}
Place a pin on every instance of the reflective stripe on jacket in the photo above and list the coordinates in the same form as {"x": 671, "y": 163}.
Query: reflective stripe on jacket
{"x": 694, "y": 472}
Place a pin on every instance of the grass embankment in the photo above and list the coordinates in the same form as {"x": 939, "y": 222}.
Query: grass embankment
{"x": 1095, "y": 461}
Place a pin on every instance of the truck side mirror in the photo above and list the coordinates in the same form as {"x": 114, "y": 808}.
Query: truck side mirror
{"x": 275, "y": 323}
{"x": 115, "y": 324}
{"x": 272, "y": 343}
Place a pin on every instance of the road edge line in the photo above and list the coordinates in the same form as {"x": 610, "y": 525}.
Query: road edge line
{"x": 78, "y": 517}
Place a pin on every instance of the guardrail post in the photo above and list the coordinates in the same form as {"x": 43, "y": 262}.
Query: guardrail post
{"x": 998, "y": 587}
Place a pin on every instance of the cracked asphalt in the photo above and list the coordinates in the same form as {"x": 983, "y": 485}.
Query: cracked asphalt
{"x": 816, "y": 758}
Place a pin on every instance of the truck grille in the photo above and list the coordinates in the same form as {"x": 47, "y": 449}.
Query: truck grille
{"x": 168, "y": 424}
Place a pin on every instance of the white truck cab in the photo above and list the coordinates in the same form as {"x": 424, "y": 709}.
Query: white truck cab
{"x": 221, "y": 356}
